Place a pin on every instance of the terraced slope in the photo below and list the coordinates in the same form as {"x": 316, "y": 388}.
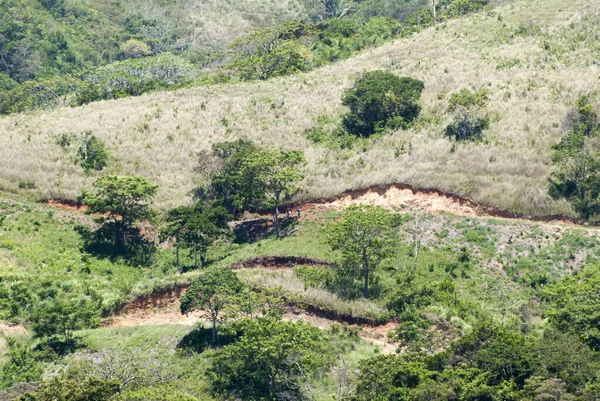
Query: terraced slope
{"x": 534, "y": 57}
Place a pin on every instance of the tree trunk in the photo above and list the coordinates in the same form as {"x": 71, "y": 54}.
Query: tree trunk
{"x": 177, "y": 259}
{"x": 214, "y": 333}
{"x": 365, "y": 267}
{"x": 276, "y": 219}
{"x": 195, "y": 255}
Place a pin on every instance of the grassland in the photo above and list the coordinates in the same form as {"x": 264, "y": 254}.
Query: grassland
{"x": 525, "y": 54}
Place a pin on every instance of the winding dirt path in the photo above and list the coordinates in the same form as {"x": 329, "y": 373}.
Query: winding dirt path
{"x": 171, "y": 315}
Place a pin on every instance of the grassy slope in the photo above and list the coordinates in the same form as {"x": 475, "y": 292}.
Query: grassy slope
{"x": 157, "y": 135}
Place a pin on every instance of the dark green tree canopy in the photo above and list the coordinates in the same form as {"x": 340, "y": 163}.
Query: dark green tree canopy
{"x": 214, "y": 291}
{"x": 124, "y": 199}
{"x": 381, "y": 100}
{"x": 241, "y": 176}
{"x": 364, "y": 235}
{"x": 577, "y": 160}
{"x": 268, "y": 361}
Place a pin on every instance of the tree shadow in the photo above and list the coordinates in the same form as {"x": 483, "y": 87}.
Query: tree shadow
{"x": 139, "y": 250}
{"x": 250, "y": 231}
{"x": 199, "y": 339}
{"x": 54, "y": 347}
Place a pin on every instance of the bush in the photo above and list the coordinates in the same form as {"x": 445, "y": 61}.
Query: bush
{"x": 467, "y": 127}
{"x": 381, "y": 100}
{"x": 92, "y": 155}
{"x": 467, "y": 99}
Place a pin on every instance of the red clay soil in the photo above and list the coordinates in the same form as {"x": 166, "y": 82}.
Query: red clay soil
{"x": 407, "y": 196}
{"x": 65, "y": 204}
{"x": 396, "y": 195}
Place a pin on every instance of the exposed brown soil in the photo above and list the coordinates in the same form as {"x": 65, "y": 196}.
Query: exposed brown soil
{"x": 12, "y": 329}
{"x": 66, "y": 204}
{"x": 393, "y": 196}
{"x": 404, "y": 196}
{"x": 170, "y": 314}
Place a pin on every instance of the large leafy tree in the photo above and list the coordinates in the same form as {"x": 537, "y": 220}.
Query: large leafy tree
{"x": 195, "y": 226}
{"x": 271, "y": 52}
{"x": 577, "y": 160}
{"x": 242, "y": 176}
{"x": 270, "y": 360}
{"x": 380, "y": 99}
{"x": 364, "y": 235}
{"x": 202, "y": 227}
{"x": 62, "y": 317}
{"x": 278, "y": 176}
{"x": 123, "y": 199}
{"x": 215, "y": 293}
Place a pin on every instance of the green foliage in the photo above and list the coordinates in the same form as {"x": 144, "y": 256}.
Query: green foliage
{"x": 469, "y": 121}
{"x": 62, "y": 317}
{"x": 389, "y": 378}
{"x": 577, "y": 160}
{"x": 575, "y": 306}
{"x": 214, "y": 291}
{"x": 136, "y": 76}
{"x": 467, "y": 99}
{"x": 125, "y": 199}
{"x": 467, "y": 127}
{"x": 92, "y": 154}
{"x": 43, "y": 93}
{"x": 22, "y": 365}
{"x": 197, "y": 226}
{"x": 74, "y": 387}
{"x": 134, "y": 49}
{"x": 381, "y": 100}
{"x": 365, "y": 236}
{"x": 247, "y": 177}
{"x": 270, "y": 360}
{"x": 270, "y": 52}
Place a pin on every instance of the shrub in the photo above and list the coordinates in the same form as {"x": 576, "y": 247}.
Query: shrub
{"x": 467, "y": 99}
{"x": 381, "y": 100}
{"x": 92, "y": 155}
{"x": 467, "y": 127}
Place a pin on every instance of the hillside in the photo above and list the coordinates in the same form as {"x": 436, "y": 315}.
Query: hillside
{"x": 42, "y": 38}
{"x": 524, "y": 53}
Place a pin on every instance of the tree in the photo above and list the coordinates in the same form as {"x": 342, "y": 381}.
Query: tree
{"x": 270, "y": 360}
{"x": 214, "y": 292}
{"x": 244, "y": 177}
{"x": 278, "y": 174}
{"x": 92, "y": 154}
{"x": 364, "y": 235}
{"x": 173, "y": 228}
{"x": 380, "y": 99}
{"x": 134, "y": 48}
{"x": 196, "y": 226}
{"x": 202, "y": 227}
{"x": 271, "y": 52}
{"x": 577, "y": 161}
{"x": 226, "y": 185}
{"x": 124, "y": 199}
{"x": 62, "y": 317}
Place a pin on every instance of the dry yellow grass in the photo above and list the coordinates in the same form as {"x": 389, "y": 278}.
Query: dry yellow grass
{"x": 158, "y": 135}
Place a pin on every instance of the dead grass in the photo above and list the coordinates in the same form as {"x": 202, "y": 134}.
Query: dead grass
{"x": 287, "y": 281}
{"x": 158, "y": 135}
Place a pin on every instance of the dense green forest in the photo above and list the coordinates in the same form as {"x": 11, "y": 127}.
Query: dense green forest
{"x": 299, "y": 200}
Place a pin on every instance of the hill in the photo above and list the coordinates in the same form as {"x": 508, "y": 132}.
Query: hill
{"x": 525, "y": 54}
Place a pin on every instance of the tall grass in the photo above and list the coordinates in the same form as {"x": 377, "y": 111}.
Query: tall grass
{"x": 158, "y": 135}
